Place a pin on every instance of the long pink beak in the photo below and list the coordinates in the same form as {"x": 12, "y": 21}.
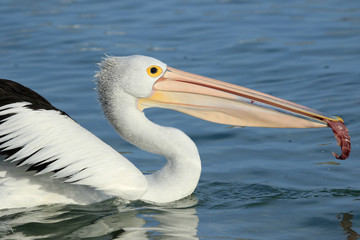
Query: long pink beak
{"x": 226, "y": 103}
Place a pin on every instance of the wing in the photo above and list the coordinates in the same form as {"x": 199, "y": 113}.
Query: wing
{"x": 34, "y": 133}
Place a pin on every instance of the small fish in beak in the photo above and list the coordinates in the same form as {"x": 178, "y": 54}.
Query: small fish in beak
{"x": 342, "y": 136}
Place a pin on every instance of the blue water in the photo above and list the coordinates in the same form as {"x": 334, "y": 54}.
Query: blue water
{"x": 256, "y": 183}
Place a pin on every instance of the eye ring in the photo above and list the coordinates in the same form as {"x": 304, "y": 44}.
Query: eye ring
{"x": 154, "y": 71}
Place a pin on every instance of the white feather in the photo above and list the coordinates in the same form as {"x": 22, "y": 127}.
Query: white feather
{"x": 79, "y": 155}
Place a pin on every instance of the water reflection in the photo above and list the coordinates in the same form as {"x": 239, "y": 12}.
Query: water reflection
{"x": 346, "y": 224}
{"x": 109, "y": 219}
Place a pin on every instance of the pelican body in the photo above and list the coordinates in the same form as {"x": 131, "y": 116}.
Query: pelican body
{"x": 49, "y": 158}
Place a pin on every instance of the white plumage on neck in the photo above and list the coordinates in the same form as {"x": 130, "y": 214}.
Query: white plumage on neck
{"x": 180, "y": 175}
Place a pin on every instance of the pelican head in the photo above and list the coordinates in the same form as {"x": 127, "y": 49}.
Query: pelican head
{"x": 136, "y": 75}
{"x": 154, "y": 84}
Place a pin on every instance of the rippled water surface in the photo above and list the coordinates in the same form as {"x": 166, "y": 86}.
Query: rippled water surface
{"x": 256, "y": 183}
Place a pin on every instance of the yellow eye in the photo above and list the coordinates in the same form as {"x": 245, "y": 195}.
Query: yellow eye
{"x": 154, "y": 71}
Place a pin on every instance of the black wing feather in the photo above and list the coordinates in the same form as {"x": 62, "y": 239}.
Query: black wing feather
{"x": 12, "y": 92}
